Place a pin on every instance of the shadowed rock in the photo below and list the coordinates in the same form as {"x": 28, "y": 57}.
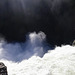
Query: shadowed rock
{"x": 3, "y": 69}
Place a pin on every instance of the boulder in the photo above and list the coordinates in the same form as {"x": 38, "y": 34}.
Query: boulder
{"x": 3, "y": 69}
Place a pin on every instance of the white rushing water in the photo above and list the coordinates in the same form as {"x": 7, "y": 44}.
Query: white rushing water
{"x": 60, "y": 61}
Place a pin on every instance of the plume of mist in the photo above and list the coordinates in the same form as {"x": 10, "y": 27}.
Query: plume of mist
{"x": 34, "y": 45}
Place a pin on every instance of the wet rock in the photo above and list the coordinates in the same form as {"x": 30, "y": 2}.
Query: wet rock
{"x": 3, "y": 69}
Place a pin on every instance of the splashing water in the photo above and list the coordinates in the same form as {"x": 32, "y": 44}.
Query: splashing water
{"x": 35, "y": 45}
{"x": 60, "y": 61}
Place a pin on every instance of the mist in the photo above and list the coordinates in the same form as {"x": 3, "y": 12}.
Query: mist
{"x": 54, "y": 17}
{"x": 36, "y": 56}
{"x": 35, "y": 45}
{"x": 24, "y": 27}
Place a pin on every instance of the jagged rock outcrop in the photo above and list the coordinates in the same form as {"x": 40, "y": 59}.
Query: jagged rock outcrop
{"x": 3, "y": 69}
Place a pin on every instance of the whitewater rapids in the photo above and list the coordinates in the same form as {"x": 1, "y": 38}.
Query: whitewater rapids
{"x": 60, "y": 61}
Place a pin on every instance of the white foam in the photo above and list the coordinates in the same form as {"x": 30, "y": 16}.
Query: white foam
{"x": 60, "y": 61}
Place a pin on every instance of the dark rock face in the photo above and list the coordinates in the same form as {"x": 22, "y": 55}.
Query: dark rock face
{"x": 3, "y": 69}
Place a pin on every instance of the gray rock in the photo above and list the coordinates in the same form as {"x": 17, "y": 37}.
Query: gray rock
{"x": 3, "y": 69}
{"x": 73, "y": 44}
